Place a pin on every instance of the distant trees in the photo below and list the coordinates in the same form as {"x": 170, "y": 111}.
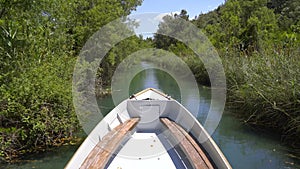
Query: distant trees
{"x": 176, "y": 25}
{"x": 116, "y": 55}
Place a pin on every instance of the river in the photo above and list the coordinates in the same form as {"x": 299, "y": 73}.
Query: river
{"x": 245, "y": 148}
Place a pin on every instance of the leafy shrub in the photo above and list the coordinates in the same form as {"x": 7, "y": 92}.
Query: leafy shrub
{"x": 36, "y": 109}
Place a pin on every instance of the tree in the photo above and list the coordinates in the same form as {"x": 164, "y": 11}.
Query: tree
{"x": 39, "y": 43}
{"x": 240, "y": 26}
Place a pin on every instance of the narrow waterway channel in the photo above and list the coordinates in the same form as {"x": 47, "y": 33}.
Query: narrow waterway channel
{"x": 245, "y": 148}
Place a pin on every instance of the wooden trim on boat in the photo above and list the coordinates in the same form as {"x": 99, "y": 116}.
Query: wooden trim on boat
{"x": 194, "y": 153}
{"x": 103, "y": 151}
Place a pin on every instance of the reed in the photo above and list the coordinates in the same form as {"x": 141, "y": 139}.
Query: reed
{"x": 264, "y": 90}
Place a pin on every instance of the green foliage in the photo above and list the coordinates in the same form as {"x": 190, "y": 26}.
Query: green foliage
{"x": 174, "y": 25}
{"x": 258, "y": 41}
{"x": 36, "y": 109}
{"x": 39, "y": 42}
{"x": 91, "y": 15}
{"x": 242, "y": 26}
{"x": 264, "y": 90}
{"x": 288, "y": 11}
{"x": 259, "y": 44}
{"x": 116, "y": 55}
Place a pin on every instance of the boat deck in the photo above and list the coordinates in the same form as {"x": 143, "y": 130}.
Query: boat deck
{"x": 140, "y": 150}
{"x": 103, "y": 151}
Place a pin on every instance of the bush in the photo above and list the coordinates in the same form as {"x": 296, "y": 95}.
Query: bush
{"x": 36, "y": 109}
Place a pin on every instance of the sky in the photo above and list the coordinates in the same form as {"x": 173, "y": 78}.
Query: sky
{"x": 151, "y": 12}
{"x": 193, "y": 7}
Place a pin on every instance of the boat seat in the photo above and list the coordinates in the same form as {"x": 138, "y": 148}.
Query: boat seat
{"x": 103, "y": 151}
{"x": 194, "y": 153}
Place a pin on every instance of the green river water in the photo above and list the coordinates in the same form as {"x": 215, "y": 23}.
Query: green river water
{"x": 244, "y": 147}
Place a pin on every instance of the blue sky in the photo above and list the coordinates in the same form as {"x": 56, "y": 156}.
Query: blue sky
{"x": 194, "y": 7}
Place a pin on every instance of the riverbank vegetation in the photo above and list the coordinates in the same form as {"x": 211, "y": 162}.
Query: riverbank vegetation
{"x": 258, "y": 42}
{"x": 264, "y": 91}
{"x": 259, "y": 45}
{"x": 39, "y": 45}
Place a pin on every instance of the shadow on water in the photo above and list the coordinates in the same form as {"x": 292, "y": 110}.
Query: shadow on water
{"x": 244, "y": 148}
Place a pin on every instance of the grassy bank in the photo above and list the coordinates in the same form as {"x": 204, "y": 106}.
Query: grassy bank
{"x": 264, "y": 90}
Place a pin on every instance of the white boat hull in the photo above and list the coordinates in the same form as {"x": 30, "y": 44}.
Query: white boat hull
{"x": 138, "y": 151}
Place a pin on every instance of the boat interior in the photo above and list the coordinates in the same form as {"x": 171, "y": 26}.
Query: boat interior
{"x": 147, "y": 135}
{"x": 149, "y": 130}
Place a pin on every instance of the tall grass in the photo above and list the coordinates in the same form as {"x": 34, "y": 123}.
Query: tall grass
{"x": 265, "y": 91}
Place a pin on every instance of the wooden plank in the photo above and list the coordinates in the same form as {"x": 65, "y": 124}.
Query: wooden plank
{"x": 103, "y": 151}
{"x": 192, "y": 150}
{"x": 196, "y": 146}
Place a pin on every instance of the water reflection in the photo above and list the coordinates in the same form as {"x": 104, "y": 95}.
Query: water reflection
{"x": 245, "y": 148}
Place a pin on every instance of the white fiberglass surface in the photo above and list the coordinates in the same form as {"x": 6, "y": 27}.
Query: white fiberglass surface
{"x": 151, "y": 94}
{"x": 143, "y": 150}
